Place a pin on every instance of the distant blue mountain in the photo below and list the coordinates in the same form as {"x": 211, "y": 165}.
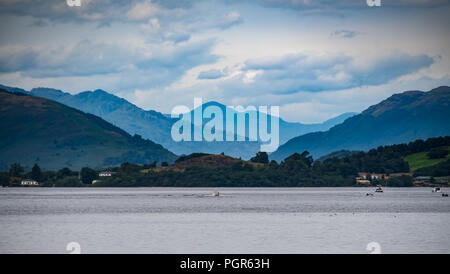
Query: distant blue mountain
{"x": 288, "y": 130}
{"x": 156, "y": 126}
{"x": 399, "y": 119}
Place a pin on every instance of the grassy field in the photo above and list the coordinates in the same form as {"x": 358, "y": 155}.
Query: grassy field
{"x": 419, "y": 160}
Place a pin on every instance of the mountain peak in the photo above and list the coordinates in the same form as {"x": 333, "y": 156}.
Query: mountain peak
{"x": 13, "y": 89}
{"x": 100, "y": 91}
{"x": 95, "y": 92}
{"x": 44, "y": 89}
{"x": 401, "y": 118}
{"x": 213, "y": 103}
{"x": 406, "y": 100}
{"x": 440, "y": 89}
{"x": 48, "y": 93}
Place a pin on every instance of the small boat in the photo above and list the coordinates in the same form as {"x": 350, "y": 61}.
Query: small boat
{"x": 436, "y": 189}
{"x": 216, "y": 194}
{"x": 444, "y": 195}
{"x": 369, "y": 194}
{"x": 379, "y": 189}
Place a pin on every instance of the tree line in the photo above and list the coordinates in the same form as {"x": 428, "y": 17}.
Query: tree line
{"x": 297, "y": 170}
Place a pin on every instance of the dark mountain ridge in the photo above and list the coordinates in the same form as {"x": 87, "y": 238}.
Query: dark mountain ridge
{"x": 157, "y": 126}
{"x": 401, "y": 118}
{"x": 39, "y": 130}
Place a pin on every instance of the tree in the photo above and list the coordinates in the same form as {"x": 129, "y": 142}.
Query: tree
{"x": 273, "y": 164}
{"x": 88, "y": 175}
{"x": 261, "y": 157}
{"x": 4, "y": 179}
{"x": 147, "y": 166}
{"x": 439, "y": 170}
{"x": 16, "y": 170}
{"x": 48, "y": 178}
{"x": 130, "y": 168}
{"x": 36, "y": 173}
{"x": 304, "y": 157}
{"x": 237, "y": 166}
{"x": 401, "y": 181}
{"x": 437, "y": 153}
{"x": 164, "y": 164}
{"x": 69, "y": 182}
{"x": 65, "y": 172}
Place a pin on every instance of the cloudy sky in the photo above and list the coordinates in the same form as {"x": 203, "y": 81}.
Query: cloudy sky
{"x": 315, "y": 59}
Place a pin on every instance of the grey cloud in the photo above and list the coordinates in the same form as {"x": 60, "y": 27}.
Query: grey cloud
{"x": 327, "y": 5}
{"x": 212, "y": 74}
{"x": 296, "y": 73}
{"x": 102, "y": 11}
{"x": 107, "y": 11}
{"x": 82, "y": 59}
{"x": 229, "y": 20}
{"x": 159, "y": 64}
{"x": 344, "y": 34}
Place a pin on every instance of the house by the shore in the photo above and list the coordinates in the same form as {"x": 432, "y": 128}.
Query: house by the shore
{"x": 381, "y": 176}
{"x": 365, "y": 178}
{"x": 28, "y": 182}
{"x": 106, "y": 174}
{"x": 362, "y": 181}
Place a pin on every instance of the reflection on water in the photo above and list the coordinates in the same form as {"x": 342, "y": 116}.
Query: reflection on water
{"x": 176, "y": 220}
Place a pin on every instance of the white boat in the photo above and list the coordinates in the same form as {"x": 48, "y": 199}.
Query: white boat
{"x": 436, "y": 189}
{"x": 216, "y": 194}
{"x": 379, "y": 189}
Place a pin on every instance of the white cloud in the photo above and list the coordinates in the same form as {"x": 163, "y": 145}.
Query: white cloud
{"x": 230, "y": 19}
{"x": 250, "y": 75}
{"x": 315, "y": 72}
{"x": 161, "y": 53}
{"x": 212, "y": 74}
{"x": 142, "y": 11}
{"x": 152, "y": 26}
{"x": 137, "y": 66}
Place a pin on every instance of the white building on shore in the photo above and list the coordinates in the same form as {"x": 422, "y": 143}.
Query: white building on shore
{"x": 106, "y": 174}
{"x": 28, "y": 182}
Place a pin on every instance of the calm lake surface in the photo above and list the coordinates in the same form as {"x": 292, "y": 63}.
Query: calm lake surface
{"x": 241, "y": 220}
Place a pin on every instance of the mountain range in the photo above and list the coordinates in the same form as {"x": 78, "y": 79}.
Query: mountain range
{"x": 156, "y": 126}
{"x": 68, "y": 130}
{"x": 399, "y": 119}
{"x": 39, "y": 130}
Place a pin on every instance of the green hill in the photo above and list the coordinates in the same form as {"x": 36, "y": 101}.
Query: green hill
{"x": 420, "y": 160}
{"x": 38, "y": 130}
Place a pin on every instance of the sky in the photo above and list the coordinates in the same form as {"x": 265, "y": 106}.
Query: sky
{"x": 314, "y": 59}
